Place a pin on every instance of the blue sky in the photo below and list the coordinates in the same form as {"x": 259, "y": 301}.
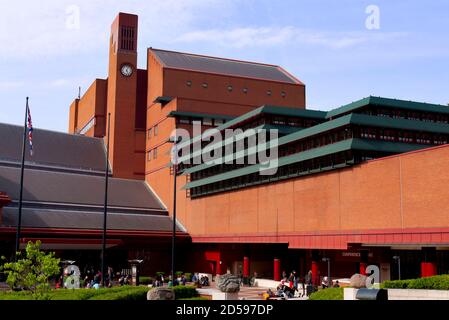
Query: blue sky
{"x": 325, "y": 43}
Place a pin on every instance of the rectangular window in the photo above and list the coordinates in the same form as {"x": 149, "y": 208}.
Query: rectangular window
{"x": 207, "y": 122}
{"x": 155, "y": 154}
{"x": 149, "y": 155}
{"x": 150, "y": 133}
{"x": 156, "y": 130}
{"x": 88, "y": 126}
{"x": 184, "y": 121}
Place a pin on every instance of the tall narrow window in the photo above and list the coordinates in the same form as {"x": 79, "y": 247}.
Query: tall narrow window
{"x": 127, "y": 38}
{"x": 156, "y": 130}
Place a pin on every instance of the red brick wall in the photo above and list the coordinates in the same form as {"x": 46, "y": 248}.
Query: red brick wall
{"x": 397, "y": 193}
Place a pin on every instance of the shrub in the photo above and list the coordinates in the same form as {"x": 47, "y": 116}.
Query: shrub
{"x": 130, "y": 294}
{"x": 116, "y": 293}
{"x": 178, "y": 274}
{"x": 188, "y": 276}
{"x": 185, "y": 292}
{"x": 397, "y": 284}
{"x": 146, "y": 280}
{"x": 430, "y": 283}
{"x": 32, "y": 270}
{"x": 328, "y": 294}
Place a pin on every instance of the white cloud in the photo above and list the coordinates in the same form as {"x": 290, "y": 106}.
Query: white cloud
{"x": 273, "y": 36}
{"x": 60, "y": 83}
{"x": 10, "y": 85}
{"x": 49, "y": 28}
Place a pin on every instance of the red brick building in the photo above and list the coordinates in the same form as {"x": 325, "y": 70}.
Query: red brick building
{"x": 360, "y": 184}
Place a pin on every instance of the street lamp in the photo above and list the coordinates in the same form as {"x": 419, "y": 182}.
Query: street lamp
{"x": 329, "y": 281}
{"x": 398, "y": 259}
{"x": 174, "y": 162}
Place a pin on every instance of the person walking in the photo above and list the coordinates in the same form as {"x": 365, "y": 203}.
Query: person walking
{"x": 309, "y": 282}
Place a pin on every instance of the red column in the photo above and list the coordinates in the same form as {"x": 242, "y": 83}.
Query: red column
{"x": 277, "y": 270}
{"x": 363, "y": 266}
{"x": 218, "y": 267}
{"x": 315, "y": 273}
{"x": 428, "y": 269}
{"x": 245, "y": 267}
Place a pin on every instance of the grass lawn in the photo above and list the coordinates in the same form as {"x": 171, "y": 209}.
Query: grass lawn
{"x": 117, "y": 293}
{"x": 328, "y": 294}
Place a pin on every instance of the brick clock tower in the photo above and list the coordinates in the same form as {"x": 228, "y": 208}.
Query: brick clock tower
{"x": 121, "y": 101}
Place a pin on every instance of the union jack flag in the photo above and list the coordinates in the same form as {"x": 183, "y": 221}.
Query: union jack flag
{"x": 30, "y": 132}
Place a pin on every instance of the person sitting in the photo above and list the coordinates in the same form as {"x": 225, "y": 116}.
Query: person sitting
{"x": 325, "y": 283}
{"x": 204, "y": 281}
{"x": 121, "y": 281}
{"x": 183, "y": 280}
{"x": 268, "y": 295}
{"x": 337, "y": 284}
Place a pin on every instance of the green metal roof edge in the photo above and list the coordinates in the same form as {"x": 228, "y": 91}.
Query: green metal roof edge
{"x": 286, "y": 111}
{"x": 388, "y": 102}
{"x": 298, "y": 157}
{"x": 322, "y": 127}
{"x": 386, "y": 146}
{"x": 199, "y": 115}
{"x": 397, "y": 123}
{"x": 222, "y": 127}
{"x": 217, "y": 145}
{"x": 358, "y": 119}
{"x": 350, "y": 144}
{"x": 314, "y": 114}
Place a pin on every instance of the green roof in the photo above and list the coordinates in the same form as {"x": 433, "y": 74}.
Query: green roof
{"x": 389, "y": 103}
{"x": 163, "y": 100}
{"x": 267, "y": 109}
{"x": 199, "y": 115}
{"x": 350, "y": 144}
{"x": 354, "y": 118}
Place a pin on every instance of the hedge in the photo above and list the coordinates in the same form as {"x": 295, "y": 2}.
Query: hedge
{"x": 146, "y": 280}
{"x": 185, "y": 292}
{"x": 327, "y": 294}
{"x": 430, "y": 283}
{"x": 117, "y": 293}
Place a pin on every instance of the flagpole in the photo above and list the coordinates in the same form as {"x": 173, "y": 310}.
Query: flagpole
{"x": 173, "y": 243}
{"x": 103, "y": 273}
{"x": 22, "y": 169}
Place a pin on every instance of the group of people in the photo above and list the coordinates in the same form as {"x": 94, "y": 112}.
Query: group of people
{"x": 293, "y": 283}
{"x": 180, "y": 280}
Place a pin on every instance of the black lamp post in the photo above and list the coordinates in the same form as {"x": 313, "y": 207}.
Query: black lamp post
{"x": 329, "y": 281}
{"x": 398, "y": 259}
{"x": 174, "y": 162}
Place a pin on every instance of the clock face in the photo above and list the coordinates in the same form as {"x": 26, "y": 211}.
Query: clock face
{"x": 127, "y": 70}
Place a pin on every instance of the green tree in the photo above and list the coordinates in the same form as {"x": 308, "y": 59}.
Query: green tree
{"x": 32, "y": 270}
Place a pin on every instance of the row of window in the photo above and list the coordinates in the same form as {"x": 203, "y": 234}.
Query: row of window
{"x": 204, "y": 121}
{"x": 402, "y": 136}
{"x": 153, "y": 131}
{"x": 285, "y": 150}
{"x": 331, "y": 137}
{"x": 152, "y": 154}
{"x": 230, "y": 88}
{"x": 294, "y": 170}
{"x": 408, "y": 114}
